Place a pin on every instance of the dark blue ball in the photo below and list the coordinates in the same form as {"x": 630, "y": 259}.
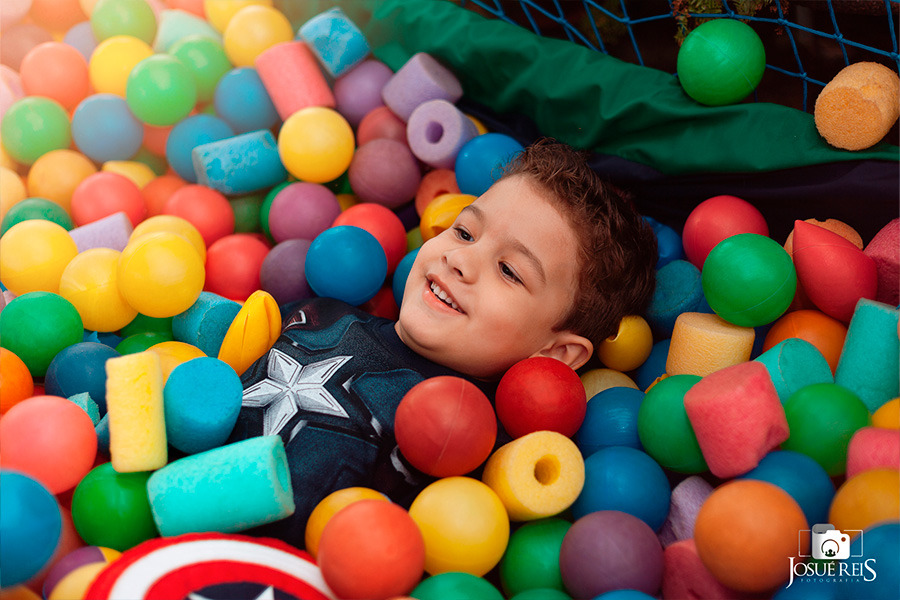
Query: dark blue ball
{"x": 347, "y": 263}
{"x": 481, "y": 160}
{"x": 801, "y": 477}
{"x": 610, "y": 420}
{"x": 401, "y": 274}
{"x": 80, "y": 368}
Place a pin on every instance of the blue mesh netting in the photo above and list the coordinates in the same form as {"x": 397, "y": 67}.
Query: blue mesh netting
{"x": 807, "y": 42}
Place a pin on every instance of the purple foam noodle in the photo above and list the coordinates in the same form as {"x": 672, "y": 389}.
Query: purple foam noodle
{"x": 420, "y": 79}
{"x": 112, "y": 231}
{"x": 436, "y": 131}
{"x": 358, "y": 92}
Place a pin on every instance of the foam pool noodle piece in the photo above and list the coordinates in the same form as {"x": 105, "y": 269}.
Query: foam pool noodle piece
{"x": 174, "y": 25}
{"x": 291, "y": 76}
{"x": 835, "y": 273}
{"x": 737, "y": 417}
{"x": 241, "y": 164}
{"x": 873, "y": 448}
{"x": 795, "y": 363}
{"x": 858, "y": 107}
{"x": 420, "y": 79}
{"x": 102, "y": 429}
{"x": 252, "y": 333}
{"x": 112, "y": 231}
{"x": 685, "y": 575}
{"x": 206, "y": 322}
{"x": 336, "y": 41}
{"x": 869, "y": 365}
{"x": 703, "y": 343}
{"x": 436, "y": 131}
{"x": 678, "y": 290}
{"x": 537, "y": 475}
{"x": 87, "y": 404}
{"x": 884, "y": 249}
{"x": 134, "y": 403}
{"x": 200, "y": 492}
{"x": 687, "y": 497}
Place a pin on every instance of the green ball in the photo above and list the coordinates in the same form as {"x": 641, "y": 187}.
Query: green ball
{"x": 112, "y": 509}
{"x": 749, "y": 279}
{"x": 664, "y": 428}
{"x": 246, "y": 212}
{"x": 541, "y": 594}
{"x": 36, "y": 208}
{"x": 458, "y": 586}
{"x": 721, "y": 62}
{"x": 160, "y": 90}
{"x": 206, "y": 59}
{"x": 139, "y": 342}
{"x": 123, "y": 17}
{"x": 822, "y": 418}
{"x": 37, "y": 326}
{"x": 33, "y": 126}
{"x": 531, "y": 559}
{"x": 144, "y": 324}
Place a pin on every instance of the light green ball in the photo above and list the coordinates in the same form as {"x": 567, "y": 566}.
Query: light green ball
{"x": 161, "y": 90}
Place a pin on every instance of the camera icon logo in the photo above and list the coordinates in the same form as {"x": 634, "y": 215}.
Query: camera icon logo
{"x": 829, "y": 543}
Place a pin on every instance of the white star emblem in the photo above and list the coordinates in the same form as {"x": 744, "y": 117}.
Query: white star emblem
{"x": 290, "y": 387}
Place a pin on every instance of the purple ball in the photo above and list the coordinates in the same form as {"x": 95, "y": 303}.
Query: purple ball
{"x": 359, "y": 91}
{"x": 302, "y": 211}
{"x": 385, "y": 172}
{"x": 283, "y": 271}
{"x": 610, "y": 550}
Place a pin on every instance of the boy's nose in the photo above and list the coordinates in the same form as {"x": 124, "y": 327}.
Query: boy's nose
{"x": 460, "y": 263}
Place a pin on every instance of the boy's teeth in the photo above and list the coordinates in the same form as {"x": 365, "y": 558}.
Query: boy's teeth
{"x": 443, "y": 296}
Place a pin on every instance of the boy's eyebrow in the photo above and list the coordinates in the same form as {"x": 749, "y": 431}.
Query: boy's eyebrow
{"x": 517, "y": 245}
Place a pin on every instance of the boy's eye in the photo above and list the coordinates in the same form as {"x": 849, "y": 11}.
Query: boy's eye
{"x": 464, "y": 235}
{"x": 509, "y": 273}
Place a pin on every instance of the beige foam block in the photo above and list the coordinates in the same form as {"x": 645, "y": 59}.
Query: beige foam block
{"x": 859, "y": 106}
{"x": 703, "y": 343}
{"x": 134, "y": 399}
{"x": 537, "y": 475}
{"x": 597, "y": 380}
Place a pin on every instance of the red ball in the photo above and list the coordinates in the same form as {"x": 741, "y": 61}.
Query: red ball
{"x": 371, "y": 549}
{"x": 445, "y": 426}
{"x": 233, "y": 264}
{"x": 382, "y": 304}
{"x": 381, "y": 222}
{"x": 103, "y": 194}
{"x": 205, "y": 208}
{"x": 380, "y": 123}
{"x": 715, "y": 219}
{"x": 541, "y": 393}
{"x": 384, "y": 171}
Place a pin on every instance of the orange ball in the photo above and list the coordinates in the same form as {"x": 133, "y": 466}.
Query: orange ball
{"x": 868, "y": 499}
{"x": 371, "y": 549}
{"x": 57, "y": 15}
{"x": 207, "y": 210}
{"x": 155, "y": 138}
{"x": 159, "y": 190}
{"x": 745, "y": 532}
{"x": 16, "y": 382}
{"x": 329, "y": 506}
{"x": 56, "y": 174}
{"x": 58, "y": 71}
{"x": 826, "y": 333}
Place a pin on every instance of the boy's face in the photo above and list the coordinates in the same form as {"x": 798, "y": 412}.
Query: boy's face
{"x": 506, "y": 271}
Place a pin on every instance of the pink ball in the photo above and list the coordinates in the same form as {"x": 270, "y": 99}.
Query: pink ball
{"x": 381, "y": 222}
{"x": 380, "y": 122}
{"x": 103, "y": 194}
{"x": 715, "y": 219}
{"x": 358, "y": 92}
{"x": 302, "y": 211}
{"x": 385, "y": 172}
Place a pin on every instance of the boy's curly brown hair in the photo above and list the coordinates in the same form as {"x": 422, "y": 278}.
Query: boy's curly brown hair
{"x": 617, "y": 262}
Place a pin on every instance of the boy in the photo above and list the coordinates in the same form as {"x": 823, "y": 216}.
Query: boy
{"x": 545, "y": 263}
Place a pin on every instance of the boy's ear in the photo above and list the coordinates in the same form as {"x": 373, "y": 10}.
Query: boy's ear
{"x": 570, "y": 348}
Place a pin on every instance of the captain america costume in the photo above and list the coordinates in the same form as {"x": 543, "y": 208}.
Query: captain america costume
{"x": 330, "y": 386}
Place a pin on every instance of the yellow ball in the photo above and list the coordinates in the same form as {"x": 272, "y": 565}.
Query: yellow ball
{"x": 464, "y": 525}
{"x": 220, "y": 12}
{"x": 171, "y": 354}
{"x": 597, "y": 380}
{"x": 56, "y": 174}
{"x": 316, "y": 144}
{"x": 12, "y": 190}
{"x": 867, "y": 499}
{"x": 629, "y": 347}
{"x": 112, "y": 61}
{"x": 138, "y": 172}
{"x": 89, "y": 282}
{"x": 328, "y": 507}
{"x": 160, "y": 274}
{"x": 251, "y": 31}
{"x": 441, "y": 212}
{"x": 888, "y": 416}
{"x": 172, "y": 224}
{"x": 347, "y": 200}
{"x": 33, "y": 256}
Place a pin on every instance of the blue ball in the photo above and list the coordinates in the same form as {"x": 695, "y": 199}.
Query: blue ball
{"x": 873, "y": 554}
{"x": 347, "y": 263}
{"x": 627, "y": 480}
{"x": 104, "y": 128}
{"x": 401, "y": 274}
{"x": 30, "y": 527}
{"x": 481, "y": 160}
{"x": 654, "y": 366}
{"x": 80, "y": 368}
{"x": 801, "y": 477}
{"x": 189, "y": 133}
{"x": 811, "y": 588}
{"x": 202, "y": 399}
{"x": 678, "y": 290}
{"x": 610, "y": 420}
{"x": 668, "y": 242}
{"x": 624, "y": 595}
{"x": 242, "y": 100}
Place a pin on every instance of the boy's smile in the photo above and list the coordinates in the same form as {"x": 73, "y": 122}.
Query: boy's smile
{"x": 488, "y": 292}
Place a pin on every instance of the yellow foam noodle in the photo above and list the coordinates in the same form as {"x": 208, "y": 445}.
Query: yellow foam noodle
{"x": 597, "y": 380}
{"x": 703, "y": 343}
{"x": 134, "y": 400}
{"x": 254, "y": 331}
{"x": 537, "y": 475}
